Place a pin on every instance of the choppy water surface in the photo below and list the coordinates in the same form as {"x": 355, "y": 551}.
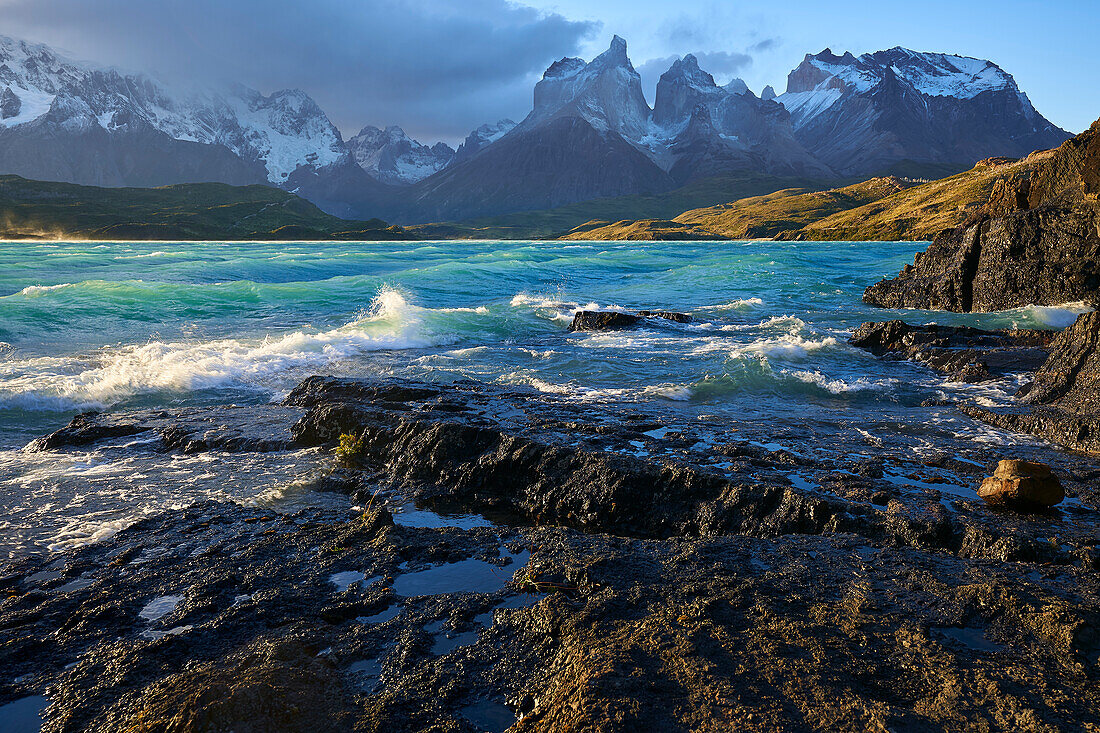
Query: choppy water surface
{"x": 88, "y": 326}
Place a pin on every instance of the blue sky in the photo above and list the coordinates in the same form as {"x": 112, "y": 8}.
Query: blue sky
{"x": 441, "y": 67}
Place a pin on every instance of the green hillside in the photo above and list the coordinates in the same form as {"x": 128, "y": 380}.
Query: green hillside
{"x": 193, "y": 211}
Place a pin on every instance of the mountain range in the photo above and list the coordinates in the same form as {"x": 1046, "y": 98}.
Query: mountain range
{"x": 591, "y": 133}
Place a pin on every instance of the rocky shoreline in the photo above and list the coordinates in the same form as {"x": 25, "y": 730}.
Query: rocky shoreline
{"x": 623, "y": 569}
{"x": 1036, "y": 241}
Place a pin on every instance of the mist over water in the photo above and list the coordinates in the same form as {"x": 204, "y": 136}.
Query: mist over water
{"x": 90, "y": 326}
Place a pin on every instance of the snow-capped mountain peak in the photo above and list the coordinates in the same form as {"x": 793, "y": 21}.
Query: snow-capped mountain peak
{"x": 944, "y": 75}
{"x": 821, "y": 79}
{"x": 607, "y": 92}
{"x": 482, "y": 137}
{"x": 392, "y": 157}
{"x": 861, "y": 112}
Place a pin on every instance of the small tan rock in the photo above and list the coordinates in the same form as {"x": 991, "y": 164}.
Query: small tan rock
{"x": 1022, "y": 485}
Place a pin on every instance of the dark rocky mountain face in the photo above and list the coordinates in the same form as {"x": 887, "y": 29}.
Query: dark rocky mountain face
{"x": 581, "y": 141}
{"x": 560, "y": 161}
{"x": 711, "y": 130}
{"x": 860, "y": 115}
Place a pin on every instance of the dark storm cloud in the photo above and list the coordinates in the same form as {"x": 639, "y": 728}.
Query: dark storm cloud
{"x": 765, "y": 45}
{"x": 439, "y": 68}
{"x": 722, "y": 65}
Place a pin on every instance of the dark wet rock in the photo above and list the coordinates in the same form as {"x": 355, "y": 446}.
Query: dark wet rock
{"x": 667, "y": 315}
{"x": 191, "y": 430}
{"x": 962, "y": 353}
{"x": 755, "y": 634}
{"x": 1037, "y": 241}
{"x": 1022, "y": 485}
{"x": 546, "y": 468}
{"x": 615, "y": 320}
{"x": 1063, "y": 400}
{"x": 639, "y": 574}
{"x": 1048, "y": 256}
{"x": 524, "y": 457}
{"x": 85, "y": 429}
{"x": 1070, "y": 378}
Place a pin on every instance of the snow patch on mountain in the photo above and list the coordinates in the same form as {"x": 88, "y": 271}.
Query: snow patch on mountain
{"x": 33, "y": 103}
{"x": 804, "y": 106}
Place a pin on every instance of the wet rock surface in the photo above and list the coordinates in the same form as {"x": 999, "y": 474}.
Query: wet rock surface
{"x": 630, "y": 570}
{"x": 962, "y": 353}
{"x": 1062, "y": 402}
{"x": 615, "y": 320}
{"x": 1037, "y": 241}
{"x": 570, "y": 631}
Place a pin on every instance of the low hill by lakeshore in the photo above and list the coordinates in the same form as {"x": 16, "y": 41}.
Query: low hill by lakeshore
{"x": 884, "y": 208}
{"x": 184, "y": 212}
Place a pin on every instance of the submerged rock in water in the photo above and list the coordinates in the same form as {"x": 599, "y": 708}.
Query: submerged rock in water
{"x": 615, "y": 320}
{"x": 1022, "y": 485}
{"x": 1036, "y": 241}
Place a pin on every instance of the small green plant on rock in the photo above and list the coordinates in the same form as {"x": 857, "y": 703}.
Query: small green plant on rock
{"x": 349, "y": 447}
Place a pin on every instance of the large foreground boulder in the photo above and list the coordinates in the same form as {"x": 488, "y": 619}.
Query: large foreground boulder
{"x": 1036, "y": 241}
{"x": 1022, "y": 485}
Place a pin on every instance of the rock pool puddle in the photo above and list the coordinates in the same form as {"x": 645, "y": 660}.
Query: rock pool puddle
{"x": 23, "y": 715}
{"x": 464, "y": 576}
{"x": 970, "y": 637}
{"x": 346, "y": 578}
{"x": 489, "y": 716}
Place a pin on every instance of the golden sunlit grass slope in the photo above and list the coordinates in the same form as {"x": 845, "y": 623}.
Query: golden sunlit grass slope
{"x": 886, "y": 208}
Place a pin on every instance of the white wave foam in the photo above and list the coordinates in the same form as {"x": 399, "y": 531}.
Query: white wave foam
{"x": 391, "y": 322}
{"x": 40, "y": 289}
{"x": 789, "y": 346}
{"x": 738, "y": 304}
{"x": 555, "y": 308}
{"x": 839, "y": 386}
{"x": 791, "y": 324}
{"x": 1056, "y": 316}
{"x": 674, "y": 392}
{"x": 158, "y": 253}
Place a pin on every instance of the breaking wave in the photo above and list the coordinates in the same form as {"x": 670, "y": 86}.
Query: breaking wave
{"x": 390, "y": 322}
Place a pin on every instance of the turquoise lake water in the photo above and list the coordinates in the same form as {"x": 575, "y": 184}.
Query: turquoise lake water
{"x": 92, "y": 326}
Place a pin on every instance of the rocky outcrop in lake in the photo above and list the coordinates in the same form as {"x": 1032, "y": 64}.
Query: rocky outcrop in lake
{"x": 962, "y": 353}
{"x": 1036, "y": 241}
